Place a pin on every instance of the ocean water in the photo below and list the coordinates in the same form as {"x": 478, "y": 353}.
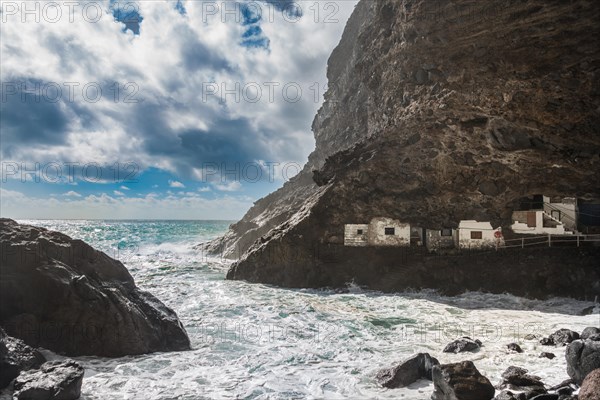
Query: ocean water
{"x": 260, "y": 342}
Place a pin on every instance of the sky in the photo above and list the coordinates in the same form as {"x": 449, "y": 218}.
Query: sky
{"x": 158, "y": 109}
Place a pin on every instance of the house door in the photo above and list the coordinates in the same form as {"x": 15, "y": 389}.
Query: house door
{"x": 531, "y": 219}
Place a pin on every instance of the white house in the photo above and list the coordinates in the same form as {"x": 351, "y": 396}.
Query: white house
{"x": 556, "y": 218}
{"x": 355, "y": 234}
{"x": 379, "y": 232}
{"x": 476, "y": 235}
{"x": 388, "y": 232}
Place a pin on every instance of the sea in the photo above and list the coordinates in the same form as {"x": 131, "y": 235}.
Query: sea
{"x": 253, "y": 341}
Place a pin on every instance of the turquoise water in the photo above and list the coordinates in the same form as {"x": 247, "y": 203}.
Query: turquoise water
{"x": 261, "y": 342}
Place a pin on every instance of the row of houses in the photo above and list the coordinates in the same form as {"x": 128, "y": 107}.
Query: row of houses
{"x": 544, "y": 217}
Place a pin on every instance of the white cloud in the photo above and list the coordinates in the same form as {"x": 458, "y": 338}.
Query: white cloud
{"x": 123, "y": 187}
{"x": 176, "y": 184}
{"x": 204, "y": 189}
{"x": 117, "y": 193}
{"x": 233, "y": 186}
{"x": 18, "y": 206}
{"x": 72, "y": 194}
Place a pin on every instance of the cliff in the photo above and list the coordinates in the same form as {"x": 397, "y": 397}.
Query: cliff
{"x": 439, "y": 111}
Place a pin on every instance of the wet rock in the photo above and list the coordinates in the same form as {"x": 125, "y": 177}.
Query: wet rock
{"x": 516, "y": 378}
{"x": 506, "y": 395}
{"x": 590, "y": 388}
{"x": 463, "y": 344}
{"x": 546, "y": 342}
{"x": 547, "y": 355}
{"x": 546, "y": 396}
{"x": 55, "y": 380}
{"x": 590, "y": 310}
{"x": 530, "y": 336}
{"x": 16, "y": 356}
{"x": 583, "y": 356}
{"x": 563, "y": 336}
{"x": 514, "y": 347}
{"x": 460, "y": 381}
{"x": 589, "y": 332}
{"x": 408, "y": 371}
{"x": 53, "y": 283}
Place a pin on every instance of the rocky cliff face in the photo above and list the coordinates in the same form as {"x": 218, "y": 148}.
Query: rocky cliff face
{"x": 440, "y": 111}
{"x": 59, "y": 293}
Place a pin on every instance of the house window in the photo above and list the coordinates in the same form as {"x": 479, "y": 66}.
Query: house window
{"x": 359, "y": 231}
{"x": 556, "y": 214}
{"x": 476, "y": 235}
{"x": 390, "y": 231}
{"x": 446, "y": 232}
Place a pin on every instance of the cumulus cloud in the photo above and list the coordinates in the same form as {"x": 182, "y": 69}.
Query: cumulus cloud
{"x": 176, "y": 184}
{"x": 72, "y": 194}
{"x": 233, "y": 186}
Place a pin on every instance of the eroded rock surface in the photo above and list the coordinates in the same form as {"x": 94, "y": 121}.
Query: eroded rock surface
{"x": 61, "y": 294}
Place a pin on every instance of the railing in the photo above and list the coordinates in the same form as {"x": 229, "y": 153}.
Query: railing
{"x": 548, "y": 240}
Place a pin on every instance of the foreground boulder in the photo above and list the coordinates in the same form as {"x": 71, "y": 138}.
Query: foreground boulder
{"x": 590, "y": 388}
{"x": 463, "y": 344}
{"x": 16, "y": 356}
{"x": 61, "y": 294}
{"x": 460, "y": 381}
{"x": 55, "y": 380}
{"x": 516, "y": 378}
{"x": 590, "y": 333}
{"x": 583, "y": 356}
{"x": 409, "y": 371}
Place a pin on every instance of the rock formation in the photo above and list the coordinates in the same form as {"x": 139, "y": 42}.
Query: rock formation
{"x": 460, "y": 381}
{"x": 590, "y": 388}
{"x": 59, "y": 293}
{"x": 55, "y": 380}
{"x": 439, "y": 111}
{"x": 15, "y": 357}
{"x": 408, "y": 371}
{"x": 583, "y": 356}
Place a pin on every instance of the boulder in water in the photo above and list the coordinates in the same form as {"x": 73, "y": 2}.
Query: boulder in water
{"x": 463, "y": 344}
{"x": 410, "y": 370}
{"x": 460, "y": 381}
{"x": 545, "y": 354}
{"x": 61, "y": 294}
{"x": 55, "y": 380}
{"x": 563, "y": 336}
{"x": 583, "y": 356}
{"x": 514, "y": 348}
{"x": 16, "y": 356}
{"x": 590, "y": 332}
{"x": 590, "y": 388}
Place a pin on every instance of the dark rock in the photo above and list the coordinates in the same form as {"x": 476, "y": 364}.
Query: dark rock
{"x": 55, "y": 380}
{"x": 589, "y": 310}
{"x": 589, "y": 331}
{"x": 583, "y": 356}
{"x": 505, "y": 395}
{"x": 530, "y": 336}
{"x": 16, "y": 356}
{"x": 61, "y": 294}
{"x": 412, "y": 369}
{"x": 565, "y": 390}
{"x": 460, "y": 381}
{"x": 517, "y": 378}
{"x": 489, "y": 188}
{"x": 421, "y": 76}
{"x": 590, "y": 388}
{"x": 514, "y": 347}
{"x": 546, "y": 396}
{"x": 547, "y": 342}
{"x": 549, "y": 356}
{"x": 563, "y": 336}
{"x": 463, "y": 344}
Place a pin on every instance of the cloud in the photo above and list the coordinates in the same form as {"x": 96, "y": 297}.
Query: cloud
{"x": 117, "y": 193}
{"x": 123, "y": 187}
{"x": 72, "y": 194}
{"x": 19, "y": 206}
{"x": 176, "y": 184}
{"x": 204, "y": 189}
{"x": 228, "y": 187}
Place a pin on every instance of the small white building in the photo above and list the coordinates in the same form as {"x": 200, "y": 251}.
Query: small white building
{"x": 477, "y": 235}
{"x": 555, "y": 218}
{"x": 379, "y": 232}
{"x": 355, "y": 234}
{"x": 388, "y": 232}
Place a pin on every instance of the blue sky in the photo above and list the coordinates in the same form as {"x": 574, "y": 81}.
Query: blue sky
{"x": 158, "y": 109}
